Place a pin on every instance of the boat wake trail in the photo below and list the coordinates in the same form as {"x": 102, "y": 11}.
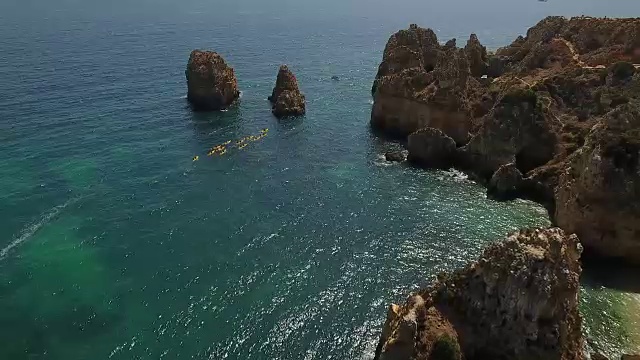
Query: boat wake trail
{"x": 28, "y": 232}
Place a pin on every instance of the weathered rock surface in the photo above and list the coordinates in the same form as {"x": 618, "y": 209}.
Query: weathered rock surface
{"x": 598, "y": 195}
{"x": 286, "y": 97}
{"x": 593, "y": 41}
{"x": 518, "y": 301}
{"x": 544, "y": 103}
{"x": 418, "y": 85}
{"x": 396, "y": 156}
{"x": 432, "y": 148}
{"x": 624, "y": 357}
{"x": 506, "y": 182}
{"x": 211, "y": 83}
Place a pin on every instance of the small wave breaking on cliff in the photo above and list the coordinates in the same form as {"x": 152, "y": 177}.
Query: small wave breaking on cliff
{"x": 455, "y": 175}
{"x": 30, "y": 230}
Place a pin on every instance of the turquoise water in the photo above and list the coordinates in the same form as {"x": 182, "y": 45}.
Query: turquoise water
{"x": 117, "y": 245}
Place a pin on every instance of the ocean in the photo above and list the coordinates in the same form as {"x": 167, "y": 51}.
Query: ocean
{"x": 115, "y": 244}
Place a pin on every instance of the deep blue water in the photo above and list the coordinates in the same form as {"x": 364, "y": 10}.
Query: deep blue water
{"x": 117, "y": 245}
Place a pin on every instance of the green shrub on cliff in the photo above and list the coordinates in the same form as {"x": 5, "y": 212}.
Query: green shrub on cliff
{"x": 622, "y": 70}
{"x": 446, "y": 348}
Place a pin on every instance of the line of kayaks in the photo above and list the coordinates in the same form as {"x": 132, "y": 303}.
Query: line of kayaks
{"x": 221, "y": 149}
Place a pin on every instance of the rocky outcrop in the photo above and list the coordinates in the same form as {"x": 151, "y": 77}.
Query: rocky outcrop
{"x": 431, "y": 148}
{"x": 419, "y": 84}
{"x": 477, "y": 55}
{"x": 286, "y": 97}
{"x": 515, "y": 131}
{"x": 518, "y": 301}
{"x": 592, "y": 41}
{"x": 535, "y": 108}
{"x": 506, "y": 182}
{"x": 396, "y": 155}
{"x": 598, "y": 195}
{"x": 211, "y": 83}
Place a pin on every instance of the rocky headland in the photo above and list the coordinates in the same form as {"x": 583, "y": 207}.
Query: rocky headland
{"x": 518, "y": 301}
{"x": 286, "y": 98}
{"x": 211, "y": 83}
{"x": 554, "y": 116}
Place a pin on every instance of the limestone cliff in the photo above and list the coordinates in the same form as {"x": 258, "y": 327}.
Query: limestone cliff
{"x": 518, "y": 301}
{"x": 286, "y": 97}
{"x": 419, "y": 84}
{"x": 523, "y": 117}
{"x": 211, "y": 83}
{"x": 598, "y": 195}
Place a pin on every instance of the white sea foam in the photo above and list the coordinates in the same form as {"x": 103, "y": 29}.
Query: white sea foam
{"x": 29, "y": 231}
{"x": 456, "y": 175}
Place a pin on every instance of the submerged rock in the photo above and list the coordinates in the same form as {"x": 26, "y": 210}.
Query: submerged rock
{"x": 506, "y": 182}
{"x": 396, "y": 156}
{"x": 211, "y": 83}
{"x": 534, "y": 104}
{"x": 518, "y": 301}
{"x": 286, "y": 97}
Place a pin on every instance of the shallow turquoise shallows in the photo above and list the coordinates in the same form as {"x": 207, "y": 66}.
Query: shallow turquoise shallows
{"x": 115, "y": 244}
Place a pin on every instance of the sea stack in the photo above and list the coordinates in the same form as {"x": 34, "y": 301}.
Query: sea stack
{"x": 286, "y": 98}
{"x": 212, "y": 84}
{"x": 518, "y": 301}
{"x": 551, "y": 117}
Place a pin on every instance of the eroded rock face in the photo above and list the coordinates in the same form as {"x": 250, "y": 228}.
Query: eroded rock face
{"x": 477, "y": 55}
{"x": 594, "y": 41}
{"x": 211, "y": 83}
{"x": 518, "y": 301}
{"x": 515, "y": 131}
{"x": 540, "y": 100}
{"x": 430, "y": 147}
{"x": 506, "y": 182}
{"x": 598, "y": 195}
{"x": 419, "y": 84}
{"x": 396, "y": 156}
{"x": 286, "y": 97}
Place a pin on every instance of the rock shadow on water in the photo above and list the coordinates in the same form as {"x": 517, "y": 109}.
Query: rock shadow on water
{"x": 210, "y": 122}
{"x": 291, "y": 122}
{"x": 611, "y": 305}
{"x": 612, "y": 274}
